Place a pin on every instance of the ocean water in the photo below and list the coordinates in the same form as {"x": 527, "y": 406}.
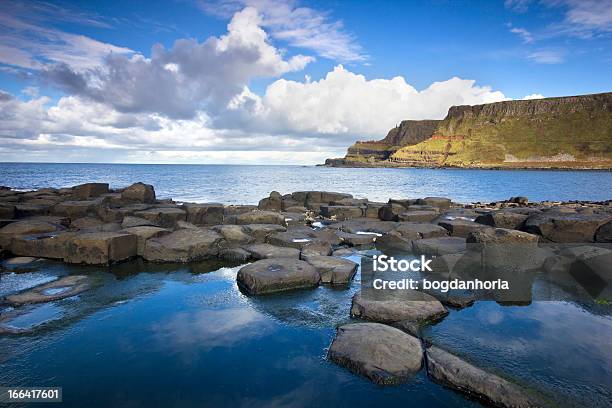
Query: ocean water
{"x": 231, "y": 184}
{"x": 150, "y": 335}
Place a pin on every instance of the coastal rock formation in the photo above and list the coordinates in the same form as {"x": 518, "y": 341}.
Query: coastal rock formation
{"x": 391, "y": 306}
{"x": 61, "y": 288}
{"x": 332, "y": 269}
{"x": 277, "y": 275}
{"x": 383, "y": 354}
{"x": 562, "y": 132}
{"x": 185, "y": 245}
{"x": 408, "y": 132}
{"x": 453, "y": 372}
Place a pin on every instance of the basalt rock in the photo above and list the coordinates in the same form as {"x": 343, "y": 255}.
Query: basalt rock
{"x": 332, "y": 269}
{"x": 260, "y": 217}
{"x": 276, "y": 275}
{"x": 272, "y": 203}
{"x": 439, "y": 246}
{"x": 101, "y": 248}
{"x": 166, "y": 217}
{"x": 383, "y": 354}
{"x": 184, "y": 245}
{"x": 503, "y": 219}
{"x": 461, "y": 228}
{"x": 139, "y": 192}
{"x": 265, "y": 251}
{"x": 451, "y": 371}
{"x": 143, "y": 233}
{"x": 341, "y": 212}
{"x": 62, "y": 288}
{"x": 391, "y": 306}
{"x": 205, "y": 214}
{"x": 261, "y": 231}
{"x": 90, "y": 190}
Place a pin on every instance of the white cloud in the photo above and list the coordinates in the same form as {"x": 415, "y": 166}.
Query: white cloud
{"x": 293, "y": 122}
{"x": 581, "y": 18}
{"x": 190, "y": 76}
{"x": 533, "y": 96}
{"x": 546, "y": 56}
{"x": 26, "y": 43}
{"x": 523, "y": 33}
{"x": 347, "y": 103}
{"x": 302, "y": 27}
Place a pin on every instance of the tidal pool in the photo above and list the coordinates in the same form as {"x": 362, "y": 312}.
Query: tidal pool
{"x": 158, "y": 336}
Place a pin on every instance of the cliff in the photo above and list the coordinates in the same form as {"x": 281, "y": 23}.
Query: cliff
{"x": 409, "y": 132}
{"x": 565, "y": 132}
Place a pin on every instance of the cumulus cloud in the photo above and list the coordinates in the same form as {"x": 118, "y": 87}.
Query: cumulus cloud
{"x": 302, "y": 27}
{"x": 344, "y": 102}
{"x": 299, "y": 122}
{"x": 191, "y": 102}
{"x": 188, "y": 77}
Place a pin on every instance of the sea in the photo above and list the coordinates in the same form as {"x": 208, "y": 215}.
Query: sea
{"x": 184, "y": 335}
{"x": 232, "y": 184}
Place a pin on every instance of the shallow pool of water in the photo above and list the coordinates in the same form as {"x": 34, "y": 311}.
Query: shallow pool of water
{"x": 159, "y": 336}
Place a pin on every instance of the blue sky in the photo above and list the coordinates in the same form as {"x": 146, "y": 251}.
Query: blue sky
{"x": 265, "y": 81}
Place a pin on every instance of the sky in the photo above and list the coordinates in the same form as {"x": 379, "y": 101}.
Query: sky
{"x": 274, "y": 82}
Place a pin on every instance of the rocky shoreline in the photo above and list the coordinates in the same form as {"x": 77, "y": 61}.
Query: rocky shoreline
{"x": 302, "y": 240}
{"x": 570, "y": 166}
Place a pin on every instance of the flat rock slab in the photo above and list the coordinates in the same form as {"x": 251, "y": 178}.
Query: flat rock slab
{"x": 261, "y": 231}
{"x": 453, "y": 372}
{"x": 276, "y": 275}
{"x": 419, "y": 230}
{"x": 461, "y": 228}
{"x": 21, "y": 264}
{"x": 100, "y": 248}
{"x": 439, "y": 246}
{"x": 383, "y": 354}
{"x": 418, "y": 215}
{"x": 184, "y": 245}
{"x": 366, "y": 238}
{"x": 234, "y": 234}
{"x": 503, "y": 219}
{"x": 260, "y": 217}
{"x": 566, "y": 227}
{"x": 364, "y": 225}
{"x": 334, "y": 270}
{"x": 59, "y": 289}
{"x": 391, "y": 306}
{"x": 166, "y": 217}
{"x": 264, "y": 251}
{"x": 143, "y": 233}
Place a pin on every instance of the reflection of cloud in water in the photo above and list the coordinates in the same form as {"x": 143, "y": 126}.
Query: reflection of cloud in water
{"x": 207, "y": 329}
{"x": 558, "y": 345}
{"x": 490, "y": 316}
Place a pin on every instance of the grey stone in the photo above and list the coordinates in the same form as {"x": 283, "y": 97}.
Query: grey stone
{"x": 277, "y": 274}
{"x": 458, "y": 374}
{"x": 332, "y": 269}
{"x": 383, "y": 354}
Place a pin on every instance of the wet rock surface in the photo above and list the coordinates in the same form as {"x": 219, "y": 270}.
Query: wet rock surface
{"x": 460, "y": 375}
{"x": 58, "y": 289}
{"x": 395, "y": 306}
{"x": 383, "y": 354}
{"x": 277, "y": 275}
{"x": 333, "y": 270}
{"x": 290, "y": 238}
